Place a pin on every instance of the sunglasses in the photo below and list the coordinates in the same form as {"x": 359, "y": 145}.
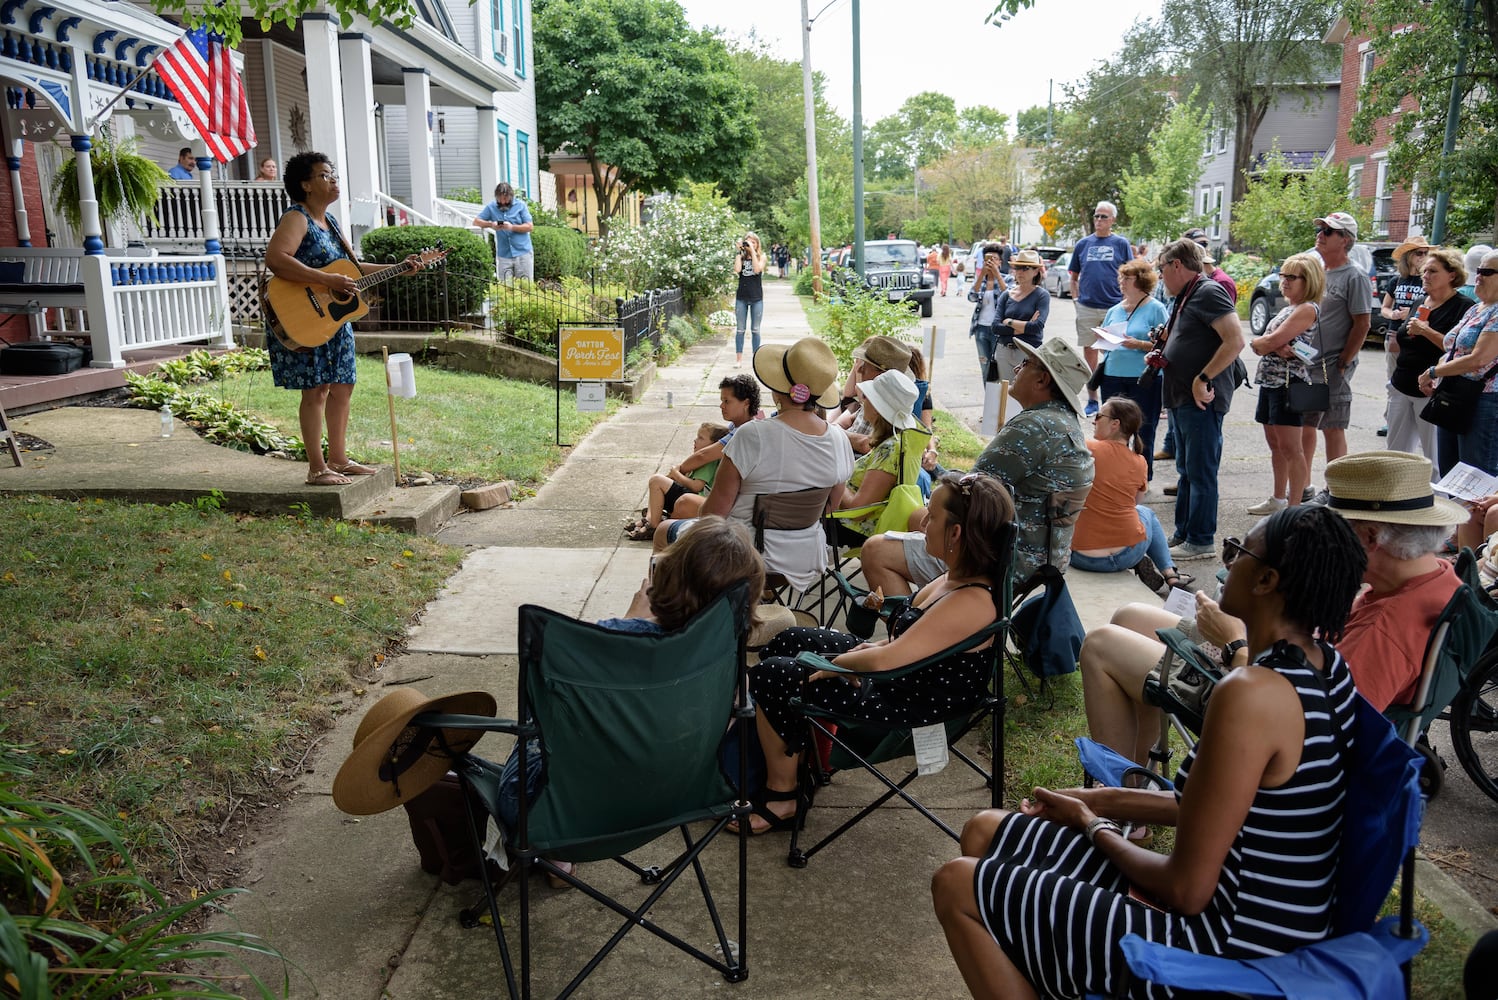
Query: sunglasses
{"x": 1486, "y": 272}
{"x": 1021, "y": 366}
{"x": 1327, "y": 231}
{"x": 1102, "y": 215}
{"x": 1291, "y": 277}
{"x": 1232, "y": 548}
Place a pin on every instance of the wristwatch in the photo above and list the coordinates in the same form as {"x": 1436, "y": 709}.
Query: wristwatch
{"x": 1232, "y": 647}
{"x": 1204, "y": 377}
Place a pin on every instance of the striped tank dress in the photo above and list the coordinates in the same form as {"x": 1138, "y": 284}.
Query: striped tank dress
{"x": 1058, "y": 908}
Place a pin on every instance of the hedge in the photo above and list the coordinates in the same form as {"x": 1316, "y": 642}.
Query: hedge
{"x": 470, "y": 269}
{"x": 559, "y": 252}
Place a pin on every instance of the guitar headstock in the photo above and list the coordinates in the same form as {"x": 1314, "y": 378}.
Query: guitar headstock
{"x": 426, "y": 258}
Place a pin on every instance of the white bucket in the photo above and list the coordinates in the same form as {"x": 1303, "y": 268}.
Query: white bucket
{"x": 402, "y": 372}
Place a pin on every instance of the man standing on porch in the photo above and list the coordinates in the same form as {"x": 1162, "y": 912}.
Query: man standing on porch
{"x": 185, "y": 162}
{"x": 511, "y": 222}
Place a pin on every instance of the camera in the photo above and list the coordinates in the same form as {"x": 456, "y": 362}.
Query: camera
{"x": 744, "y": 246}
{"x": 1156, "y": 359}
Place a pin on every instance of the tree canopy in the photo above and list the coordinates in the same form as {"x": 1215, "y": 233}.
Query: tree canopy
{"x": 646, "y": 100}
{"x": 1158, "y": 199}
{"x": 924, "y": 129}
{"x": 1417, "y": 45}
{"x": 1274, "y": 215}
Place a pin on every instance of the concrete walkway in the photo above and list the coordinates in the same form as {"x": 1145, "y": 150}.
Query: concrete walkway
{"x": 344, "y": 897}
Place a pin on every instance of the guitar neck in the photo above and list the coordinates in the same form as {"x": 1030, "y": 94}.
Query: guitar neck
{"x": 383, "y": 274}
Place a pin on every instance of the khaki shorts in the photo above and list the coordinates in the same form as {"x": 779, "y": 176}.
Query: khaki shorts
{"x": 1087, "y": 318}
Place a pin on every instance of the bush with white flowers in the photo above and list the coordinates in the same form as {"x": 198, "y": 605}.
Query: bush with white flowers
{"x": 683, "y": 244}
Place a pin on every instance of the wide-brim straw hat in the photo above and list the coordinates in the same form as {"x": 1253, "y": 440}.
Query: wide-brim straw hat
{"x": 885, "y": 353}
{"x": 1413, "y": 243}
{"x": 1027, "y": 258}
{"x": 1065, "y": 365}
{"x": 808, "y": 363}
{"x": 893, "y": 394}
{"x": 393, "y": 761}
{"x": 1389, "y": 486}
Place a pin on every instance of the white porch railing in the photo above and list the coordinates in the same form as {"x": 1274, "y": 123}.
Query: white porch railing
{"x": 457, "y": 213}
{"x": 394, "y": 209}
{"x": 247, "y": 213}
{"x": 121, "y": 303}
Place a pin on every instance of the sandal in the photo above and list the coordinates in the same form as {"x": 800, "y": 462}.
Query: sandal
{"x": 556, "y": 881}
{"x": 641, "y": 532}
{"x": 352, "y": 468}
{"x": 328, "y": 477}
{"x": 759, "y": 806}
{"x": 1149, "y": 575}
{"x": 1182, "y": 581}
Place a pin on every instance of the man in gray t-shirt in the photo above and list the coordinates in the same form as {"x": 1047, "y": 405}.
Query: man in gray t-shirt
{"x": 1345, "y": 310}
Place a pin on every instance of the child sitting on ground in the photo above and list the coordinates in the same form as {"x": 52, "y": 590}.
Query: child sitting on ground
{"x": 680, "y": 491}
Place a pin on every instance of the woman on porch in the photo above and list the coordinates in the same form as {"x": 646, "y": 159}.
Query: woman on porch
{"x": 307, "y": 238}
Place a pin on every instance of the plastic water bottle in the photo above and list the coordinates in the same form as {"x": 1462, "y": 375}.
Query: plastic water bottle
{"x": 166, "y": 421}
{"x": 670, "y": 400}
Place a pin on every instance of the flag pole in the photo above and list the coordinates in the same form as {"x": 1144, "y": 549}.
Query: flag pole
{"x": 116, "y": 99}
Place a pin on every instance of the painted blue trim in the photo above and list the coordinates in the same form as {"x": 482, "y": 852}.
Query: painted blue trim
{"x": 14, "y": 163}
{"x": 82, "y": 143}
{"x": 204, "y": 163}
{"x": 122, "y": 50}
{"x": 143, "y": 57}
{"x": 24, "y": 243}
{"x": 38, "y": 16}
{"x": 213, "y": 246}
{"x": 93, "y": 246}
{"x": 8, "y": 10}
{"x": 101, "y": 40}
{"x": 66, "y": 26}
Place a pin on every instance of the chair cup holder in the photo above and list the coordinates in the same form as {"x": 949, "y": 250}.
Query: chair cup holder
{"x": 861, "y": 621}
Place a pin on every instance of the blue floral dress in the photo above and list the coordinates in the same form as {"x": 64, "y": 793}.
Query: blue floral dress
{"x": 329, "y": 363}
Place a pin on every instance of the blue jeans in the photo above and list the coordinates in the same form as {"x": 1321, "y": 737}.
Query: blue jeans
{"x": 986, "y": 340}
{"x": 1155, "y": 545}
{"x": 509, "y": 783}
{"x": 750, "y": 312}
{"x": 1198, "y": 455}
{"x": 1147, "y": 395}
{"x": 1478, "y": 445}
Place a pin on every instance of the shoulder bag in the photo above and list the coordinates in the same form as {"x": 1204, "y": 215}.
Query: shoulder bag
{"x": 1454, "y": 402}
{"x": 1311, "y": 397}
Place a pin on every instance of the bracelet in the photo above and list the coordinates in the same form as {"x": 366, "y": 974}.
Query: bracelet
{"x": 1098, "y": 823}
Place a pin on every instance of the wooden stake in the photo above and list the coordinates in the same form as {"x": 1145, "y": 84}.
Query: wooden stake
{"x": 395, "y": 441}
{"x": 1003, "y": 401}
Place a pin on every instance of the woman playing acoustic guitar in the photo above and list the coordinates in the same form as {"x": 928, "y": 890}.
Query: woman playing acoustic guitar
{"x": 307, "y": 239}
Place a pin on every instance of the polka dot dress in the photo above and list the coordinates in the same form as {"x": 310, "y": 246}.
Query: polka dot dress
{"x": 939, "y": 690}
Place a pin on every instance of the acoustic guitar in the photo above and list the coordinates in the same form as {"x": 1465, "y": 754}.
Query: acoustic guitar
{"x": 303, "y": 316}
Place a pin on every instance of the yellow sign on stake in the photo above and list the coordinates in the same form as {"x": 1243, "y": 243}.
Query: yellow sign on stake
{"x": 590, "y": 354}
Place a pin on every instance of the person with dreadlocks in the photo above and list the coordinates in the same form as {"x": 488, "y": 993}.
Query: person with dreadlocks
{"x": 1041, "y": 897}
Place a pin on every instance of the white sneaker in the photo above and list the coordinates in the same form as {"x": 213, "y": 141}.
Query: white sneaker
{"x": 1268, "y": 506}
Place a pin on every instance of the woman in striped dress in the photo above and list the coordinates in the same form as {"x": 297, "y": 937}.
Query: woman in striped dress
{"x": 1042, "y": 896}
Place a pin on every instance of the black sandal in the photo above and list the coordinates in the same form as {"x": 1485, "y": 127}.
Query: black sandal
{"x": 758, "y": 806}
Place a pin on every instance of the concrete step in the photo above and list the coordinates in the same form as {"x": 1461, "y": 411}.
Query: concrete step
{"x": 421, "y": 510}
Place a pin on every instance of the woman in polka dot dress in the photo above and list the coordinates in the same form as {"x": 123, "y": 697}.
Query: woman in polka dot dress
{"x": 967, "y": 517}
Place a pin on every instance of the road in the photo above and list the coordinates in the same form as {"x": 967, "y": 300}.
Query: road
{"x": 1461, "y": 823}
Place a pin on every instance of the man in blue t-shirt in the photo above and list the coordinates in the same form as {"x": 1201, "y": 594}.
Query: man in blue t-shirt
{"x": 185, "y": 162}
{"x": 1095, "y": 261}
{"x": 511, "y": 222}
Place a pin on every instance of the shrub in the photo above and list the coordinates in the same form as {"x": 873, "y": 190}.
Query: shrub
{"x": 803, "y": 281}
{"x": 683, "y": 331}
{"x": 722, "y": 317}
{"x": 471, "y": 195}
{"x": 560, "y": 253}
{"x": 1245, "y": 269}
{"x": 692, "y": 247}
{"x": 857, "y": 314}
{"x": 530, "y": 312}
{"x": 429, "y": 296}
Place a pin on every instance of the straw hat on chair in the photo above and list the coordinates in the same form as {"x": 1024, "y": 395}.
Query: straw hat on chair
{"x": 393, "y": 761}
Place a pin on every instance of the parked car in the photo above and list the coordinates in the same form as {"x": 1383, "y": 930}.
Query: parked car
{"x": 897, "y": 268}
{"x": 1057, "y": 279}
{"x": 1375, "y": 258}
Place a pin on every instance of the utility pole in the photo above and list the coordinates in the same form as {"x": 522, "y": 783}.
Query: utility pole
{"x": 857, "y": 147}
{"x": 1448, "y": 146}
{"x": 809, "y": 99}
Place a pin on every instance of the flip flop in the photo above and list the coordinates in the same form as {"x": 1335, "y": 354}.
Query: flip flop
{"x": 328, "y": 477}
{"x": 353, "y": 469}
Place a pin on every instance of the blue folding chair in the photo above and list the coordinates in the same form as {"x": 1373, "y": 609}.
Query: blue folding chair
{"x": 1362, "y": 959}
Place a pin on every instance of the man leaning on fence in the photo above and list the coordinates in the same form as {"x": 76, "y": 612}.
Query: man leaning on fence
{"x": 511, "y": 222}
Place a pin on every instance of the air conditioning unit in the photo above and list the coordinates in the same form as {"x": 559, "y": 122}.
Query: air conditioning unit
{"x": 501, "y": 44}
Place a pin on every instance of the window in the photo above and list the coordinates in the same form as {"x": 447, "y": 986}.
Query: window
{"x": 1222, "y": 140}
{"x": 504, "y": 151}
{"x": 1421, "y": 210}
{"x": 1206, "y": 200}
{"x": 1354, "y": 180}
{"x": 1383, "y": 198}
{"x": 523, "y": 163}
{"x": 497, "y": 30}
{"x": 517, "y": 25}
{"x": 1365, "y": 67}
{"x": 1217, "y": 212}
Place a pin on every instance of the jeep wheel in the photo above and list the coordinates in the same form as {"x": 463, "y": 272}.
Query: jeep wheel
{"x": 925, "y": 308}
{"x": 1258, "y": 315}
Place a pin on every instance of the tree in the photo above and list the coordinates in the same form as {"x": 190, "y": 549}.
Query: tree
{"x": 834, "y": 193}
{"x": 1158, "y": 199}
{"x": 1417, "y": 46}
{"x": 1100, "y": 130}
{"x": 646, "y": 100}
{"x": 924, "y": 129}
{"x": 1274, "y": 215}
{"x": 974, "y": 191}
{"x": 1245, "y": 55}
{"x": 226, "y": 16}
{"x": 1031, "y": 125}
{"x": 772, "y": 167}
{"x": 981, "y": 125}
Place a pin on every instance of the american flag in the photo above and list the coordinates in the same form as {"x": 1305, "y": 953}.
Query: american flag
{"x": 200, "y": 70}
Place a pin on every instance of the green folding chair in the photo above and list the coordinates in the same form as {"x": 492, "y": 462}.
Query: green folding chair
{"x": 630, "y": 729}
{"x": 865, "y": 744}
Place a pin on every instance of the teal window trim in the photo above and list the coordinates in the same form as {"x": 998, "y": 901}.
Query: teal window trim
{"x": 497, "y": 28}
{"x": 523, "y": 160}
{"x": 502, "y": 137}
{"x": 519, "y": 39}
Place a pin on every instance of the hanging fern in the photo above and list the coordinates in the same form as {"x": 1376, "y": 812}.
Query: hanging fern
{"x": 126, "y": 184}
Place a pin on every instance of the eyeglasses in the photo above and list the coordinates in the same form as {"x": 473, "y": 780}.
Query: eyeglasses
{"x": 1327, "y": 231}
{"x": 329, "y": 176}
{"x": 1291, "y": 277}
{"x": 1486, "y": 272}
{"x": 965, "y": 484}
{"x": 1232, "y": 548}
{"x": 1020, "y": 367}
{"x": 1101, "y": 215}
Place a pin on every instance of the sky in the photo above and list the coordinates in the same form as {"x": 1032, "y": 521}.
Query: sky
{"x": 940, "y": 45}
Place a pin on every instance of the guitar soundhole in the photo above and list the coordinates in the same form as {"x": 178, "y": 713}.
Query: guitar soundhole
{"x": 316, "y": 305}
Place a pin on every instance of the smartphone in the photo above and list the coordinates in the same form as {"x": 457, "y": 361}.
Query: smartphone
{"x": 650, "y": 573}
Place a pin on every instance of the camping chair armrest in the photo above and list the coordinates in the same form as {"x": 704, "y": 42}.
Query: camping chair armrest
{"x": 819, "y": 662}
{"x": 485, "y": 723}
{"x": 1185, "y": 650}
{"x": 976, "y": 639}
{"x": 859, "y": 512}
{"x": 891, "y": 607}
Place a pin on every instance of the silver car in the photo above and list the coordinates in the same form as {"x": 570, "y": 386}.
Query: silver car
{"x": 1057, "y": 280}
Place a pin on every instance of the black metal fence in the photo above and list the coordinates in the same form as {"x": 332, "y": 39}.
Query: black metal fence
{"x": 645, "y": 316}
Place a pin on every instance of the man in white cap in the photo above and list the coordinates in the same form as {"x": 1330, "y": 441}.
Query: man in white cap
{"x": 1346, "y": 306}
{"x": 1040, "y": 455}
